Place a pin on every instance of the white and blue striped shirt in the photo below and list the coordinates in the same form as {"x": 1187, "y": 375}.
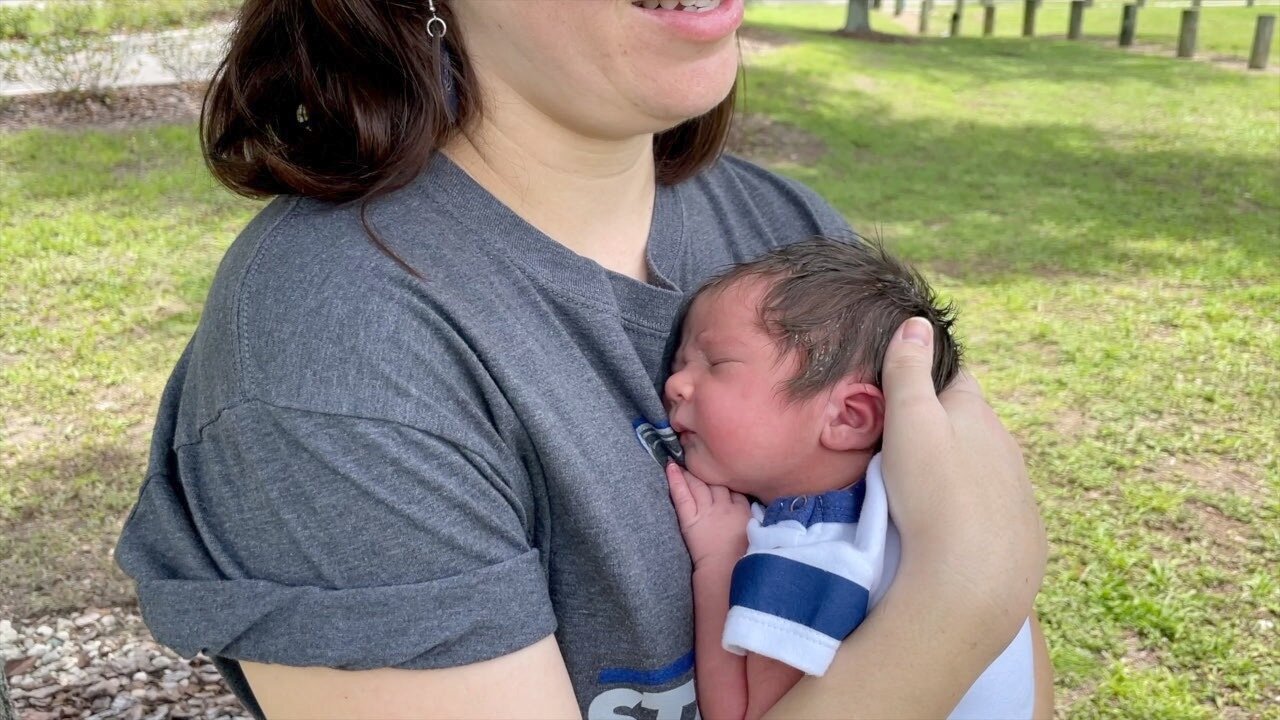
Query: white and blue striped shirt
{"x": 816, "y": 564}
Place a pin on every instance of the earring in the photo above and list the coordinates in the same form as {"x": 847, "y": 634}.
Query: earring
{"x": 436, "y": 26}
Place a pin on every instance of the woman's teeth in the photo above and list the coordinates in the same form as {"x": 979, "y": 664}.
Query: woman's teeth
{"x": 685, "y": 5}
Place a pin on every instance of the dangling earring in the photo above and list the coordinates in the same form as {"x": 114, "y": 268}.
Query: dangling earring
{"x": 436, "y": 26}
{"x": 446, "y": 80}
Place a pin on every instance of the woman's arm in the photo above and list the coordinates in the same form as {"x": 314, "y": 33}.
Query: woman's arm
{"x": 528, "y": 683}
{"x": 973, "y": 552}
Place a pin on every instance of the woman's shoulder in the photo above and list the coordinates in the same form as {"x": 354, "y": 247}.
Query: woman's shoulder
{"x": 785, "y": 204}
{"x": 736, "y": 210}
{"x": 304, "y": 304}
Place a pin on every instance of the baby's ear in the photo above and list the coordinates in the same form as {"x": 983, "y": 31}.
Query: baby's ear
{"x": 854, "y": 417}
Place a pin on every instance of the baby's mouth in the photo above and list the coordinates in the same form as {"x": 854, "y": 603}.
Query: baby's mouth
{"x": 678, "y": 5}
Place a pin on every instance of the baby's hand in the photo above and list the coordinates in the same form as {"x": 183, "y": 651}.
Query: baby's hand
{"x": 713, "y": 518}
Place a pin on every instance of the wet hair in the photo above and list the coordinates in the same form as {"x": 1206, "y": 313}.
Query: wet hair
{"x": 836, "y": 304}
{"x": 345, "y": 100}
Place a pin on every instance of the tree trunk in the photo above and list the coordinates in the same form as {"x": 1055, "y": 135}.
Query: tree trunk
{"x": 6, "y": 708}
{"x": 859, "y": 17}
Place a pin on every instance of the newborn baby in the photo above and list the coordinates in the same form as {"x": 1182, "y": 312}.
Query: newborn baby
{"x": 775, "y": 394}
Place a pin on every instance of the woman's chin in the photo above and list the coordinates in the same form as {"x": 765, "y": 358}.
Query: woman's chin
{"x": 699, "y": 91}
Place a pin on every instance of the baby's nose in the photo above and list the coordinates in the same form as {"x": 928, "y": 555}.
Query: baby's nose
{"x": 677, "y": 388}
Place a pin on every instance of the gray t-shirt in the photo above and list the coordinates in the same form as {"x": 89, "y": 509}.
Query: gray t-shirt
{"x": 356, "y": 469}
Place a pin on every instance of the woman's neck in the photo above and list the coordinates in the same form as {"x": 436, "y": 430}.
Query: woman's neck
{"x": 592, "y": 195}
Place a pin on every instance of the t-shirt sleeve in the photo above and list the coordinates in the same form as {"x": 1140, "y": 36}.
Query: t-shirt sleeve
{"x": 312, "y": 539}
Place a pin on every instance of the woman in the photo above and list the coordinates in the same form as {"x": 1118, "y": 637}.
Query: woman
{"x": 403, "y": 440}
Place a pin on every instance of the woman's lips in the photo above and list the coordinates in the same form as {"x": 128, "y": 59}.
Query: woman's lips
{"x": 715, "y": 24}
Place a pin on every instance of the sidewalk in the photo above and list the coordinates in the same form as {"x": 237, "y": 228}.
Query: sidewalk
{"x": 196, "y": 51}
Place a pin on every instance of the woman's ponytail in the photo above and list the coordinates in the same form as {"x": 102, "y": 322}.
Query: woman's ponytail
{"x": 333, "y": 99}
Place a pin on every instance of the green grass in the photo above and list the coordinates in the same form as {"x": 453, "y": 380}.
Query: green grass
{"x": 1222, "y": 32}
{"x": 100, "y": 16}
{"x": 109, "y": 240}
{"x": 1110, "y": 226}
{"x": 1108, "y": 222}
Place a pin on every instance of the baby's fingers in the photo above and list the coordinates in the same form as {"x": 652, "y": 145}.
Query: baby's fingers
{"x": 681, "y": 497}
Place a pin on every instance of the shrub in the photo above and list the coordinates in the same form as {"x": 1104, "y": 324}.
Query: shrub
{"x": 190, "y": 57}
{"x": 15, "y": 22}
{"x": 74, "y": 55}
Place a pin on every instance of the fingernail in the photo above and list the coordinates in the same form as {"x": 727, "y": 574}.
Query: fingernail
{"x": 917, "y": 330}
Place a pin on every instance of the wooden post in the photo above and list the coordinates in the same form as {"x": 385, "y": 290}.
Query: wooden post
{"x": 988, "y": 20}
{"x": 926, "y": 7}
{"x": 1076, "y": 26}
{"x": 1262, "y": 42}
{"x": 1029, "y": 18}
{"x": 875, "y": 4}
{"x": 1128, "y": 24}
{"x": 957, "y": 18}
{"x": 1248, "y": 3}
{"x": 1195, "y": 3}
{"x": 1187, "y": 33}
{"x": 898, "y": 7}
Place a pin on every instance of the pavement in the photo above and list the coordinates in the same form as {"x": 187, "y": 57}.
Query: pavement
{"x": 196, "y": 51}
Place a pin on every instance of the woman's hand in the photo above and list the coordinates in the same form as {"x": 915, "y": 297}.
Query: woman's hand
{"x": 713, "y": 519}
{"x": 973, "y": 552}
{"x": 958, "y": 490}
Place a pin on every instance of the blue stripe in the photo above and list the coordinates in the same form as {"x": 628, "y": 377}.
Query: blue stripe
{"x": 801, "y": 593}
{"x": 627, "y": 676}
{"x": 839, "y": 506}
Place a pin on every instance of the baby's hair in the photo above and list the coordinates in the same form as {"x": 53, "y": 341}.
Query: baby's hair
{"x": 836, "y": 304}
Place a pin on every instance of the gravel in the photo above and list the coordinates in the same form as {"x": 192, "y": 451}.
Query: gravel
{"x": 103, "y": 663}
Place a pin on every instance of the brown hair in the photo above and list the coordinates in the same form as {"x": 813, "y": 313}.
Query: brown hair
{"x": 344, "y": 100}
{"x": 837, "y": 304}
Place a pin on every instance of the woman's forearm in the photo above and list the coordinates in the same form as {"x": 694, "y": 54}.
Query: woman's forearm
{"x": 915, "y": 656}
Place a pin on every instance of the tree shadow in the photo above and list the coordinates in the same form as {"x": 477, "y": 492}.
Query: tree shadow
{"x": 57, "y": 551}
{"x": 985, "y": 198}
{"x": 1046, "y": 57}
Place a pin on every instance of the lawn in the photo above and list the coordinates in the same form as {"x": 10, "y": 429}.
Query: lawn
{"x": 1223, "y": 31}
{"x": 102, "y": 16}
{"x": 1108, "y": 222}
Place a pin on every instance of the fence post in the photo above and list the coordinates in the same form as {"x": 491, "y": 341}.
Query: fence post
{"x": 1076, "y": 26}
{"x": 1262, "y": 42}
{"x": 1248, "y": 3}
{"x": 1187, "y": 33}
{"x": 1195, "y": 3}
{"x": 988, "y": 20}
{"x": 926, "y": 7}
{"x": 898, "y": 7}
{"x": 1128, "y": 24}
{"x": 875, "y": 4}
{"x": 1029, "y": 18}
{"x": 957, "y": 17}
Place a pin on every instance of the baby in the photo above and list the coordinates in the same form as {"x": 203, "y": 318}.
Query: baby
{"x": 774, "y": 393}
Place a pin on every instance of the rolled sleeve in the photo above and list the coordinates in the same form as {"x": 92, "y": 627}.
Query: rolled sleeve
{"x": 311, "y": 539}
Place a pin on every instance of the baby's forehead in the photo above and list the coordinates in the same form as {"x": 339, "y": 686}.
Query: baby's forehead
{"x": 739, "y": 296}
{"x": 725, "y": 314}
